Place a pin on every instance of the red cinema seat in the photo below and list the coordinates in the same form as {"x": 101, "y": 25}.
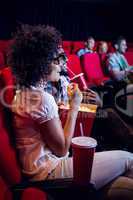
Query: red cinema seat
{"x": 129, "y": 57}
{"x": 9, "y": 168}
{"x": 4, "y": 45}
{"x": 104, "y": 63}
{"x": 67, "y": 46}
{"x": 76, "y": 45}
{"x": 5, "y": 193}
{"x": 28, "y": 193}
{"x": 33, "y": 194}
{"x": 2, "y": 61}
{"x": 130, "y": 47}
{"x": 73, "y": 64}
{"x": 10, "y": 173}
{"x": 92, "y": 69}
{"x": 8, "y": 81}
{"x": 111, "y": 49}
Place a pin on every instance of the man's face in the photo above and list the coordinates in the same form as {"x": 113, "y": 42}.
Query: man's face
{"x": 122, "y": 46}
{"x": 63, "y": 63}
{"x": 90, "y": 44}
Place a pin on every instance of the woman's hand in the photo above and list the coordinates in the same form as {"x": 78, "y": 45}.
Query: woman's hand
{"x": 75, "y": 96}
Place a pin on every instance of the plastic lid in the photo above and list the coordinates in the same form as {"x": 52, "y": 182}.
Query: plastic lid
{"x": 84, "y": 142}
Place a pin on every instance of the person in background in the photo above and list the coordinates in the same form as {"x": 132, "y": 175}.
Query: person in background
{"x": 41, "y": 142}
{"x": 58, "y": 88}
{"x": 118, "y": 67}
{"x": 89, "y": 47}
{"x": 122, "y": 76}
{"x": 102, "y": 47}
{"x": 102, "y": 50}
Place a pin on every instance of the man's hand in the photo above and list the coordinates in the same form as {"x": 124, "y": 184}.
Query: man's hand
{"x": 89, "y": 96}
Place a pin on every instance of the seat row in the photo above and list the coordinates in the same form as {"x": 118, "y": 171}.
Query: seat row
{"x": 71, "y": 47}
{"x": 90, "y": 65}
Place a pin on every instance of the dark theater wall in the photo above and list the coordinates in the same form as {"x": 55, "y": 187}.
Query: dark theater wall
{"x": 76, "y": 19}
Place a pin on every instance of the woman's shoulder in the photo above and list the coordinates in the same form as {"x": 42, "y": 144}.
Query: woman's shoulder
{"x": 44, "y": 97}
{"x": 35, "y": 97}
{"x": 47, "y": 108}
{"x": 35, "y": 102}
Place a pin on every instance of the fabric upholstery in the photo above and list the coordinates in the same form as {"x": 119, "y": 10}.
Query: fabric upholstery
{"x": 33, "y": 194}
{"x": 76, "y": 45}
{"x": 7, "y": 82}
{"x": 9, "y": 168}
{"x": 129, "y": 57}
{"x": 5, "y": 193}
{"x": 74, "y": 65}
{"x": 67, "y": 46}
{"x": 92, "y": 69}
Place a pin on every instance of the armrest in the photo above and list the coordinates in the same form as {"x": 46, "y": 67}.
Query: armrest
{"x": 60, "y": 189}
{"x": 65, "y": 183}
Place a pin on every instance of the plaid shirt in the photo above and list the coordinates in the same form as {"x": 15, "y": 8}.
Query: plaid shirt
{"x": 82, "y": 52}
{"x": 59, "y": 91}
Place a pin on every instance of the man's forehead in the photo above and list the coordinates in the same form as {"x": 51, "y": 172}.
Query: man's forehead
{"x": 90, "y": 39}
{"x": 123, "y": 42}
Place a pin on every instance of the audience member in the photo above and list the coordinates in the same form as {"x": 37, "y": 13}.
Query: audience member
{"x": 118, "y": 67}
{"x": 40, "y": 140}
{"x": 102, "y": 50}
{"x": 102, "y": 47}
{"x": 89, "y": 47}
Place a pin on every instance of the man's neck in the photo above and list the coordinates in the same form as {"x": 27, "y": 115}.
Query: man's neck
{"x": 119, "y": 53}
{"x": 90, "y": 50}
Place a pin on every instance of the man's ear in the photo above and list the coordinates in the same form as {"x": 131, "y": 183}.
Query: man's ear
{"x": 116, "y": 46}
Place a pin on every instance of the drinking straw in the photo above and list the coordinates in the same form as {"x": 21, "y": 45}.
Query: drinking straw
{"x": 71, "y": 71}
{"x": 81, "y": 129}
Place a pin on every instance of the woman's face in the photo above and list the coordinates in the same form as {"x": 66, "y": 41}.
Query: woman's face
{"x": 54, "y": 76}
{"x": 103, "y": 47}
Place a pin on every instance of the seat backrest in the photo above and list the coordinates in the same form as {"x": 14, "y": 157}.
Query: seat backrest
{"x": 5, "y": 45}
{"x": 5, "y": 193}
{"x": 7, "y": 80}
{"x": 76, "y": 45}
{"x": 73, "y": 65}
{"x": 33, "y": 193}
{"x": 129, "y": 57}
{"x": 67, "y": 46}
{"x": 92, "y": 67}
{"x": 2, "y": 61}
{"x": 10, "y": 172}
{"x": 9, "y": 167}
{"x": 111, "y": 48}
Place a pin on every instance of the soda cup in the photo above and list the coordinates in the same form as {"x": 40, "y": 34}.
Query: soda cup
{"x": 83, "y": 153}
{"x": 79, "y": 78}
